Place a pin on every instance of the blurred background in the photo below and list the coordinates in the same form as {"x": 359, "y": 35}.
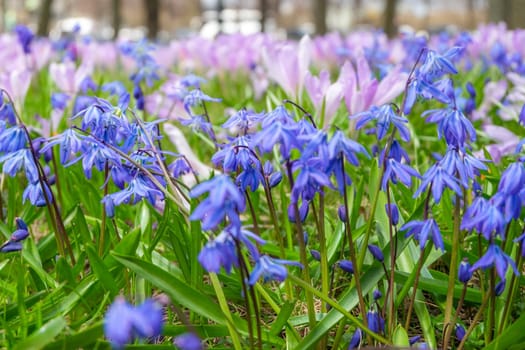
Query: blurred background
{"x": 167, "y": 19}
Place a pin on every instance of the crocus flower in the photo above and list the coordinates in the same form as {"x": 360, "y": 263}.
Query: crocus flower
{"x": 188, "y": 341}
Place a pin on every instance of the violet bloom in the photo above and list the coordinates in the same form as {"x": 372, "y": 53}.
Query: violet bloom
{"x": 495, "y": 257}
{"x": 270, "y": 269}
{"x": 188, "y": 341}
{"x": 224, "y": 200}
{"x": 356, "y": 340}
{"x": 123, "y": 322}
{"x": 422, "y": 230}
{"x": 25, "y": 37}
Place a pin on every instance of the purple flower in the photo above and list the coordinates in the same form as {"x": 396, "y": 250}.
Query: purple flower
{"x": 224, "y": 200}
{"x": 375, "y": 322}
{"x": 460, "y": 332}
{"x": 376, "y": 252}
{"x": 440, "y": 178}
{"x": 25, "y": 37}
{"x": 488, "y": 221}
{"x": 357, "y": 337}
{"x": 188, "y": 341}
{"x": 464, "y": 272}
{"x": 315, "y": 254}
{"x": 11, "y": 246}
{"x": 196, "y": 97}
{"x": 392, "y": 212}
{"x": 396, "y": 171}
{"x": 270, "y": 269}
{"x": 421, "y": 230}
{"x": 497, "y": 258}
{"x": 123, "y": 322}
{"x": 377, "y": 294}
{"x": 346, "y": 265}
{"x": 513, "y": 179}
{"x": 243, "y": 120}
{"x": 384, "y": 116}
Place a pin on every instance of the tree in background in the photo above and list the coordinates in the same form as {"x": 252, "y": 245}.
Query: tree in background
{"x": 389, "y": 17}
{"x": 152, "y": 17}
{"x": 44, "y": 17}
{"x": 320, "y": 16}
{"x": 117, "y": 19}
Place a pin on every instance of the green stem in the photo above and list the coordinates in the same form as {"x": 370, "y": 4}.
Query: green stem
{"x": 475, "y": 320}
{"x": 452, "y": 275}
{"x": 303, "y": 255}
{"x": 226, "y": 310}
{"x": 325, "y": 274}
{"x": 339, "y": 308}
{"x": 102, "y": 237}
{"x": 512, "y": 293}
{"x": 414, "y": 289}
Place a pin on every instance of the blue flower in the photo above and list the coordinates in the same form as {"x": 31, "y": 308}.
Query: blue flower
{"x": 59, "y": 100}
{"x": 487, "y": 221}
{"x": 25, "y": 37}
{"x": 340, "y": 144}
{"x": 376, "y": 252}
{"x": 243, "y": 120}
{"x": 375, "y": 322}
{"x": 224, "y": 200}
{"x": 196, "y": 97}
{"x": 439, "y": 178}
{"x": 392, "y": 212}
{"x": 460, "y": 332}
{"x": 249, "y": 177}
{"x": 384, "y": 116}
{"x": 22, "y": 159}
{"x": 453, "y": 125}
{"x": 513, "y": 179}
{"x": 277, "y": 133}
{"x": 69, "y": 141}
{"x": 435, "y": 65}
{"x": 309, "y": 180}
{"x": 7, "y": 113}
{"x": 356, "y": 340}
{"x": 123, "y": 322}
{"x": 199, "y": 123}
{"x": 497, "y": 258}
{"x": 188, "y": 341}
{"x": 236, "y": 155}
{"x": 396, "y": 171}
{"x": 270, "y": 269}
{"x": 179, "y": 167}
{"x": 35, "y": 194}
{"x": 421, "y": 230}
{"x": 346, "y": 265}
{"x": 12, "y": 139}
{"x": 464, "y": 272}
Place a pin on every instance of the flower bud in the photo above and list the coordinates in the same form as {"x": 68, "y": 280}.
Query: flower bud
{"x": 460, "y": 332}
{"x": 393, "y": 213}
{"x": 464, "y": 272}
{"x": 376, "y": 252}
{"x": 346, "y": 265}
{"x": 341, "y": 212}
{"x": 275, "y": 179}
{"x": 315, "y": 254}
{"x": 377, "y": 294}
{"x": 356, "y": 339}
{"x": 500, "y": 287}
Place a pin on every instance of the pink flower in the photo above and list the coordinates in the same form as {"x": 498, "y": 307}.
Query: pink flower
{"x": 288, "y": 64}
{"x": 362, "y": 90}
{"x": 322, "y": 91}
{"x": 68, "y": 77}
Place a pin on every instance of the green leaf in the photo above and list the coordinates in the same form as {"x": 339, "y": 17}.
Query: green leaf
{"x": 282, "y": 318}
{"x": 179, "y": 291}
{"x": 78, "y": 340}
{"x": 43, "y": 336}
{"x": 400, "y": 336}
{"x": 511, "y": 336}
{"x": 102, "y": 271}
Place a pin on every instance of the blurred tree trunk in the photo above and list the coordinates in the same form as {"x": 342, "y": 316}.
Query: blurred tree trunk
{"x": 498, "y": 10}
{"x": 152, "y": 17}
{"x": 358, "y": 5}
{"x": 44, "y": 17}
{"x": 3, "y": 11}
{"x": 116, "y": 4}
{"x": 263, "y": 7}
{"x": 389, "y": 17}
{"x": 471, "y": 11}
{"x": 320, "y": 16}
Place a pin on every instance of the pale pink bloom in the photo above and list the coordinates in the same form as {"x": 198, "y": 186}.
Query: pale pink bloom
{"x": 41, "y": 53}
{"x": 288, "y": 64}
{"x": 321, "y": 90}
{"x": 506, "y": 142}
{"x": 68, "y": 77}
{"x": 16, "y": 83}
{"x": 493, "y": 93}
{"x": 362, "y": 90}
